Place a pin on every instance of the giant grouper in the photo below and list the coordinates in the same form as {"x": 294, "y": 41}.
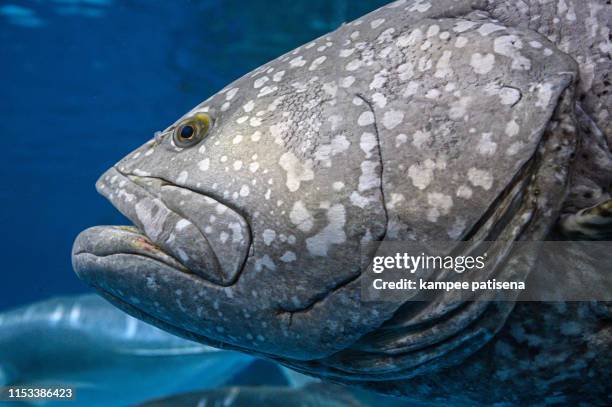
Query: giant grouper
{"x": 449, "y": 120}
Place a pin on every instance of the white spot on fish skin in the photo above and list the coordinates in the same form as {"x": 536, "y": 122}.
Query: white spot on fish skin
{"x": 237, "y": 165}
{"x": 317, "y": 62}
{"x": 433, "y": 30}
{"x": 297, "y": 172}
{"x": 365, "y": 119}
{"x": 244, "y": 191}
{"x": 443, "y": 68}
{"x": 231, "y": 93}
{"x": 535, "y": 44}
{"x": 301, "y": 217}
{"x": 480, "y": 178}
{"x": 182, "y": 178}
{"x": 422, "y": 174}
{"x": 489, "y": 28}
{"x": 325, "y": 152}
{"x": 278, "y": 76}
{"x": 482, "y": 64}
{"x": 369, "y": 178}
{"x": 254, "y": 166}
{"x": 405, "y": 71}
{"x": 400, "y": 139}
{"x": 266, "y": 90}
{"x": 508, "y": 45}
{"x": 392, "y": 119}
{"x": 359, "y": 200}
{"x": 354, "y": 65}
{"x": 236, "y": 229}
{"x": 459, "y": 108}
{"x": 338, "y": 186}
{"x": 347, "y": 82}
{"x": 141, "y": 173}
{"x": 379, "y": 100}
{"x": 248, "y": 106}
{"x": 346, "y": 52}
{"x": 288, "y": 257}
{"x": 297, "y": 62}
{"x": 413, "y": 38}
{"x": 354, "y": 35}
{"x": 432, "y": 94}
{"x": 268, "y": 236}
{"x": 486, "y": 146}
{"x": 461, "y": 42}
{"x": 182, "y": 224}
{"x": 509, "y": 96}
{"x": 223, "y": 236}
{"x": 411, "y": 89}
{"x": 367, "y": 143}
{"x": 514, "y": 148}
{"x": 463, "y": 26}
{"x": 183, "y": 256}
{"x": 259, "y": 82}
{"x": 379, "y": 80}
{"x": 419, "y": 138}
{"x": 545, "y": 94}
{"x": 440, "y": 205}
{"x": 377, "y": 23}
{"x": 255, "y": 122}
{"x": 237, "y": 139}
{"x": 421, "y": 6}
{"x": 333, "y": 233}
{"x": 512, "y": 128}
{"x": 204, "y": 165}
{"x": 464, "y": 192}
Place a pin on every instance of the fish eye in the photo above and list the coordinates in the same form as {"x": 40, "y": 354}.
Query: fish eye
{"x": 191, "y": 131}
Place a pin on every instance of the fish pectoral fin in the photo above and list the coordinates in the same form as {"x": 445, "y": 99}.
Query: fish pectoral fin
{"x": 594, "y": 223}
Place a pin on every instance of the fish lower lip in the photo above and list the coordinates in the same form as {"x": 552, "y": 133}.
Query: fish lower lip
{"x": 103, "y": 241}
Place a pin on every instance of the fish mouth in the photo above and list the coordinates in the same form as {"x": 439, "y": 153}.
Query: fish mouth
{"x": 173, "y": 225}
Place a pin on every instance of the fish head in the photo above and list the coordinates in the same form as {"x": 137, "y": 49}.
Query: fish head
{"x": 240, "y": 213}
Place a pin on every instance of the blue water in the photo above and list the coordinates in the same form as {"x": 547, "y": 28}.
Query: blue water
{"x": 83, "y": 82}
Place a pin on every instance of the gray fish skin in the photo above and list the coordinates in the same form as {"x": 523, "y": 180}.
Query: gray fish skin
{"x": 314, "y": 395}
{"x": 425, "y": 121}
{"x": 108, "y": 357}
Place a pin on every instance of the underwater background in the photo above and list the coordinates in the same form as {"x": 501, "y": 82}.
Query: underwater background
{"x": 84, "y": 82}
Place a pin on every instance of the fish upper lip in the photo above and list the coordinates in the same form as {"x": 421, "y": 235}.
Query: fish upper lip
{"x": 150, "y": 203}
{"x": 148, "y": 248}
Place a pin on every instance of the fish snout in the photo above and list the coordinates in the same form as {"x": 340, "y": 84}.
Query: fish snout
{"x": 204, "y": 235}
